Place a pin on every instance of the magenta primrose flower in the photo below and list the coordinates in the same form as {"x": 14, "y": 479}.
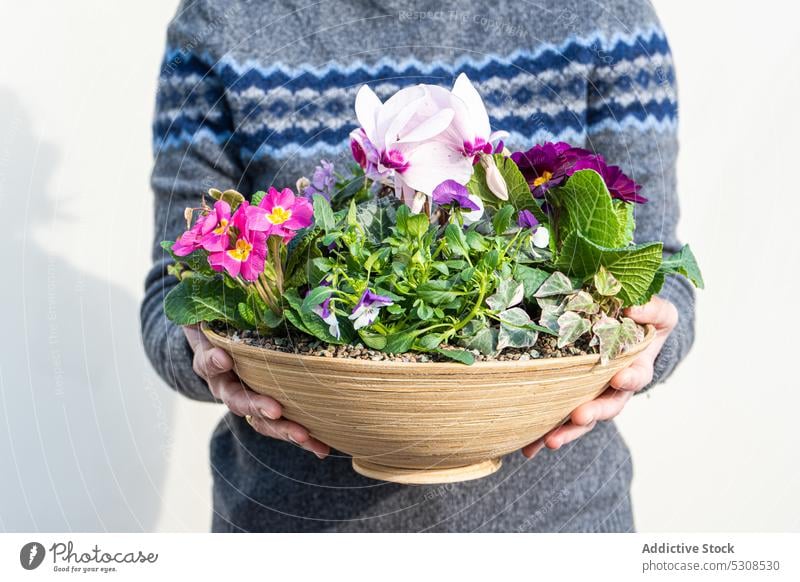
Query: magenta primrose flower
{"x": 209, "y": 228}
{"x": 280, "y": 213}
{"x": 247, "y": 253}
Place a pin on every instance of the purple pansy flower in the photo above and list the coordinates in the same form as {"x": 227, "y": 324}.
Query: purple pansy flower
{"x": 327, "y": 314}
{"x": 451, "y": 192}
{"x": 367, "y": 309}
{"x": 541, "y": 236}
{"x": 322, "y": 182}
{"x": 619, "y": 185}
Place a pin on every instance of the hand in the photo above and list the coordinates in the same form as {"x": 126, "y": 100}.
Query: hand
{"x": 263, "y": 413}
{"x": 664, "y": 316}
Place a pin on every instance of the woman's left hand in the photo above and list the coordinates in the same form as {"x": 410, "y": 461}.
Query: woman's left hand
{"x": 664, "y": 316}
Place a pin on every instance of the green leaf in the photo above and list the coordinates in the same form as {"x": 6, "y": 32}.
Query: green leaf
{"x": 247, "y": 314}
{"x": 479, "y": 336}
{"x": 323, "y": 213}
{"x": 516, "y": 329}
{"x": 684, "y": 263}
{"x": 376, "y": 217}
{"x": 312, "y": 323}
{"x": 314, "y": 298}
{"x": 552, "y": 308}
{"x": 615, "y": 337}
{"x": 571, "y": 326}
{"x": 501, "y": 221}
{"x": 456, "y": 241}
{"x": 531, "y": 278}
{"x": 626, "y": 220}
{"x": 436, "y": 291}
{"x": 232, "y": 197}
{"x": 462, "y": 356}
{"x": 417, "y": 225}
{"x": 582, "y": 302}
{"x": 606, "y": 284}
{"x": 430, "y": 341}
{"x": 507, "y": 294}
{"x": 634, "y": 266}
{"x": 256, "y": 198}
{"x": 197, "y": 299}
{"x": 556, "y": 284}
{"x": 587, "y": 208}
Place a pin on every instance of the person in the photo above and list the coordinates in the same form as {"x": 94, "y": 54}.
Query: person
{"x": 252, "y": 94}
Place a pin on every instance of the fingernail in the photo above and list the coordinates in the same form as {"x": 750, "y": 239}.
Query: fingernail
{"x": 270, "y": 415}
{"x": 320, "y": 456}
{"x": 215, "y": 362}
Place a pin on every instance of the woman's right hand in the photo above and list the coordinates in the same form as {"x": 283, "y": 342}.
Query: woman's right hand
{"x": 263, "y": 413}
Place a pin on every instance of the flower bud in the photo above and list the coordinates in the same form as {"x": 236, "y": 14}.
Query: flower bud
{"x": 302, "y": 184}
{"x": 494, "y": 179}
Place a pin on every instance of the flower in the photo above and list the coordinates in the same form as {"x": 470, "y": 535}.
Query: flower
{"x": 247, "y": 255}
{"x": 471, "y": 122}
{"x": 494, "y": 179}
{"x": 366, "y": 310}
{"x": 474, "y": 215}
{"x": 541, "y": 236}
{"x": 544, "y": 166}
{"x": 398, "y": 139}
{"x": 619, "y": 185}
{"x": 322, "y": 182}
{"x": 451, "y": 192}
{"x": 327, "y": 314}
{"x": 208, "y": 232}
{"x": 280, "y": 213}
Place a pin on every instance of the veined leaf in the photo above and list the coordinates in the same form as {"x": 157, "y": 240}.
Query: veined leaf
{"x": 556, "y": 284}
{"x": 197, "y": 299}
{"x": 615, "y": 337}
{"x": 582, "y": 302}
{"x": 507, "y": 294}
{"x": 571, "y": 326}
{"x": 605, "y": 283}
{"x": 634, "y": 266}
{"x": 684, "y": 263}
{"x": 323, "y": 214}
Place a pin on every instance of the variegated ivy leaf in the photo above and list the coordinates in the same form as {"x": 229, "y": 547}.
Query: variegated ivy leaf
{"x": 232, "y": 197}
{"x": 582, "y": 302}
{"x": 552, "y": 308}
{"x": 615, "y": 337}
{"x": 571, "y": 326}
{"x": 508, "y": 294}
{"x": 516, "y": 329}
{"x": 606, "y": 283}
{"x": 556, "y": 284}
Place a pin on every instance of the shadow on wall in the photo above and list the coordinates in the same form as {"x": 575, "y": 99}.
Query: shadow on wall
{"x": 84, "y": 422}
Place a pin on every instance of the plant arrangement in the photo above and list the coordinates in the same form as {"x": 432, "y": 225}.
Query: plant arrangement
{"x": 438, "y": 240}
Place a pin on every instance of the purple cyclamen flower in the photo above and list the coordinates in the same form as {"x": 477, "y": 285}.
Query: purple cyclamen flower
{"x": 544, "y": 166}
{"x": 619, "y": 185}
{"x": 451, "y": 192}
{"x": 367, "y": 309}
{"x": 322, "y": 182}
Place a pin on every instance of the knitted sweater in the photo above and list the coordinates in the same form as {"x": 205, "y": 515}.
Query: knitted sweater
{"x": 252, "y": 93}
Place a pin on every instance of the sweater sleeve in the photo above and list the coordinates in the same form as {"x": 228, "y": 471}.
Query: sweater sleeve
{"x": 632, "y": 122}
{"x": 194, "y": 150}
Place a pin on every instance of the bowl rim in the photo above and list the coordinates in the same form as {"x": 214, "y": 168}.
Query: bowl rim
{"x": 533, "y": 364}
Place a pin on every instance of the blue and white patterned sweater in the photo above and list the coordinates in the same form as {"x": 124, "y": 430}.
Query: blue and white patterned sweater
{"x": 252, "y": 94}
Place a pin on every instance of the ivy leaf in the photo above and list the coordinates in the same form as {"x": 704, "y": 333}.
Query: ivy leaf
{"x": 462, "y": 356}
{"x": 516, "y": 329}
{"x": 531, "y": 279}
{"x": 614, "y": 337}
{"x": 605, "y": 283}
{"x": 197, "y": 299}
{"x": 571, "y": 326}
{"x": 232, "y": 197}
{"x": 684, "y": 263}
{"x": 634, "y": 266}
{"x": 323, "y": 214}
{"x": 552, "y": 308}
{"x": 556, "y": 284}
{"x": 507, "y": 294}
{"x": 479, "y": 336}
{"x": 582, "y": 302}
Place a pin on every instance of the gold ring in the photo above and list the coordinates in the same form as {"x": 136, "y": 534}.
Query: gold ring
{"x": 249, "y": 419}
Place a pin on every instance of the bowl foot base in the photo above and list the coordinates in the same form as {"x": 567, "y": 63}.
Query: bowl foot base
{"x": 431, "y": 476}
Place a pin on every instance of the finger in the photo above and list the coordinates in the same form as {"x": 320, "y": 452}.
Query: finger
{"x": 565, "y": 434}
{"x": 605, "y": 407}
{"x": 194, "y": 336}
{"x": 659, "y": 312}
{"x": 287, "y": 430}
{"x": 211, "y": 362}
{"x": 533, "y": 448}
{"x": 636, "y": 376}
{"x": 243, "y": 402}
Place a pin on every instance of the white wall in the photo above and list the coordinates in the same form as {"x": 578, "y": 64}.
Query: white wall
{"x": 96, "y": 442}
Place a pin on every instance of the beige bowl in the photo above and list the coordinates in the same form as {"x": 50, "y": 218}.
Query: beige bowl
{"x": 424, "y": 423}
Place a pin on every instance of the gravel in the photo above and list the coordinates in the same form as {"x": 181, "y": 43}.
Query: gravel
{"x": 302, "y": 344}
